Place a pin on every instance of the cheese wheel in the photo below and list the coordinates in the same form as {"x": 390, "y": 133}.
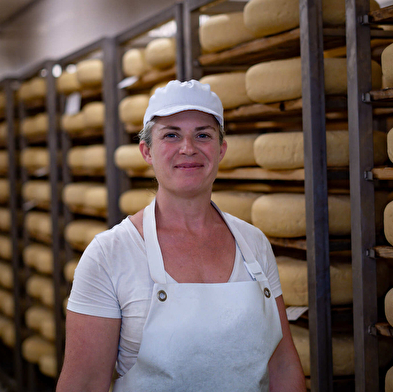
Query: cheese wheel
{"x": 48, "y": 329}
{"x": 38, "y": 191}
{"x": 78, "y": 233}
{"x": 389, "y": 306}
{"x": 90, "y": 73}
{"x": 285, "y": 150}
{"x": 94, "y": 115}
{"x": 41, "y": 123}
{"x": 4, "y": 190}
{"x": 27, "y": 126}
{"x": 5, "y": 219}
{"x": 128, "y": 157}
{"x": 161, "y": 53}
{"x": 134, "y": 62}
{"x": 133, "y": 108}
{"x": 24, "y": 91}
{"x": 35, "y": 158}
{"x": 3, "y": 131}
{"x": 74, "y": 193}
{"x": 389, "y": 380}
{"x": 281, "y": 80}
{"x": 36, "y": 285}
{"x": 39, "y": 257}
{"x": 342, "y": 350}
{"x": 35, "y": 314}
{"x": 48, "y": 365}
{"x": 73, "y": 123}
{"x": 68, "y": 83}
{"x": 235, "y": 203}
{"x": 39, "y": 225}
{"x": 2, "y": 99}
{"x": 230, "y": 88}
{"x": 7, "y": 303}
{"x": 3, "y": 161}
{"x": 96, "y": 197}
{"x": 37, "y": 88}
{"x": 284, "y": 215}
{"x": 268, "y": 17}
{"x": 6, "y": 275}
{"x": 240, "y": 152}
{"x": 5, "y": 247}
{"x": 69, "y": 269}
{"x": 34, "y": 347}
{"x": 390, "y": 145}
{"x": 75, "y": 157}
{"x": 134, "y": 200}
{"x": 224, "y": 31}
{"x": 8, "y": 334}
{"x": 388, "y": 222}
{"x": 94, "y": 157}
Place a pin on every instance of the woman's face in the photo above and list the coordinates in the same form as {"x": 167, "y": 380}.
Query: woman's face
{"x": 185, "y": 151}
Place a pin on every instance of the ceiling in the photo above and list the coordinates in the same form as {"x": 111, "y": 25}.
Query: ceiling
{"x": 9, "y": 8}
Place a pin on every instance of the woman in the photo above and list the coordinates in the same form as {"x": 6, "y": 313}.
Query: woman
{"x": 181, "y": 295}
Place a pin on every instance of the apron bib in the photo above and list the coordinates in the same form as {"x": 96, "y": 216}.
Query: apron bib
{"x": 204, "y": 337}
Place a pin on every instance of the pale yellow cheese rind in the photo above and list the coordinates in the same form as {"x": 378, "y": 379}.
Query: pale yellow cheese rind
{"x": 133, "y": 108}
{"x": 5, "y": 219}
{"x": 161, "y": 53}
{"x": 73, "y": 123}
{"x": 34, "y": 347}
{"x": 388, "y": 222}
{"x": 240, "y": 152}
{"x": 79, "y": 233}
{"x": 128, "y": 157}
{"x": 4, "y": 190}
{"x": 39, "y": 257}
{"x": 68, "y": 83}
{"x": 134, "y": 200}
{"x": 389, "y": 306}
{"x": 90, "y": 73}
{"x": 134, "y": 62}
{"x": 94, "y": 115}
{"x": 389, "y": 380}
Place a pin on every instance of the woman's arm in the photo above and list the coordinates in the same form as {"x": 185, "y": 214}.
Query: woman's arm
{"x": 90, "y": 353}
{"x": 285, "y": 370}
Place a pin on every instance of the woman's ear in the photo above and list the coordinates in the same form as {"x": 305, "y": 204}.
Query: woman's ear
{"x": 223, "y": 149}
{"x": 145, "y": 151}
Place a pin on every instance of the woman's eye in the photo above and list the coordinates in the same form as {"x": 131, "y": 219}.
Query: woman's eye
{"x": 170, "y": 135}
{"x": 204, "y": 136}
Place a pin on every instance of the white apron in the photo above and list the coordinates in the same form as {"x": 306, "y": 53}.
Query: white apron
{"x": 204, "y": 337}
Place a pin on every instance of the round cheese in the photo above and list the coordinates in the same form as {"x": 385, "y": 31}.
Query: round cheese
{"x": 27, "y": 126}
{"x": 39, "y": 257}
{"x": 134, "y": 200}
{"x": 41, "y": 123}
{"x": 34, "y": 158}
{"x": 48, "y": 365}
{"x": 94, "y": 157}
{"x": 285, "y": 150}
{"x": 230, "y": 88}
{"x": 5, "y": 219}
{"x": 281, "y": 80}
{"x": 73, "y": 123}
{"x": 78, "y": 233}
{"x": 2, "y": 99}
{"x": 240, "y": 152}
{"x": 8, "y": 334}
{"x": 48, "y": 329}
{"x": 7, "y": 303}
{"x": 161, "y": 53}
{"x": 90, "y": 73}
{"x": 6, "y": 275}
{"x": 389, "y": 380}
{"x": 35, "y": 314}
{"x": 268, "y": 17}
{"x": 75, "y": 157}
{"x": 128, "y": 157}
{"x": 69, "y": 269}
{"x": 37, "y": 286}
{"x": 235, "y": 203}
{"x": 224, "y": 31}
{"x": 38, "y": 191}
{"x": 388, "y": 222}
{"x": 37, "y": 88}
{"x": 94, "y": 115}
{"x": 4, "y": 190}
{"x": 134, "y": 62}
{"x": 133, "y": 108}
{"x": 3, "y": 131}
{"x": 390, "y": 145}
{"x": 389, "y": 306}
{"x": 5, "y": 247}
{"x": 3, "y": 161}
{"x": 68, "y": 83}
{"x": 39, "y": 225}
{"x": 34, "y": 347}
{"x": 284, "y": 215}
{"x": 24, "y": 92}
{"x": 96, "y": 197}
{"x": 74, "y": 193}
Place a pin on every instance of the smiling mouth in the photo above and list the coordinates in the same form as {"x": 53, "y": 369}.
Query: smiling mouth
{"x": 189, "y": 166}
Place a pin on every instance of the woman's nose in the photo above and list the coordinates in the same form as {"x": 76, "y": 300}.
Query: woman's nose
{"x": 187, "y": 146}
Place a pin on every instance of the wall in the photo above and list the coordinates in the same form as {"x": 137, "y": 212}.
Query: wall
{"x": 51, "y": 29}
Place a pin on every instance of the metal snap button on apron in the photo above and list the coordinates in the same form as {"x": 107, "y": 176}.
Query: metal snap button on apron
{"x": 267, "y": 293}
{"x": 162, "y": 295}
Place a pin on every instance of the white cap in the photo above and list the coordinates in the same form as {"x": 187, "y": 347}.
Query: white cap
{"x": 179, "y": 96}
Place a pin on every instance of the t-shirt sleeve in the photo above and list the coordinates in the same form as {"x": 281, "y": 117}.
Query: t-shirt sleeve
{"x": 93, "y": 291}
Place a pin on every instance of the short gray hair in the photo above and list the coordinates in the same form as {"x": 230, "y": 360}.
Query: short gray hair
{"x": 145, "y": 133}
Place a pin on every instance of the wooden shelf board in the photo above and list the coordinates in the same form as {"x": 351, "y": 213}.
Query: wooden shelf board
{"x": 87, "y": 172}
{"x": 385, "y": 252}
{"x": 383, "y": 95}
{"x": 384, "y": 329}
{"x": 35, "y": 103}
{"x": 38, "y": 138}
{"x": 86, "y": 133}
{"x": 301, "y": 243}
{"x": 382, "y": 15}
{"x": 85, "y": 210}
{"x": 91, "y": 92}
{"x": 383, "y": 173}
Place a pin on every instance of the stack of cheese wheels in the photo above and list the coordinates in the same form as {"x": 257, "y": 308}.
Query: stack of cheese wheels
{"x": 5, "y": 219}
{"x": 285, "y": 150}
{"x": 7, "y": 303}
{"x": 294, "y": 281}
{"x": 34, "y": 347}
{"x": 6, "y": 275}
{"x": 68, "y": 83}
{"x": 390, "y": 145}
{"x": 41, "y": 287}
{"x": 281, "y": 80}
{"x": 230, "y": 88}
{"x": 224, "y": 31}
{"x": 34, "y": 88}
{"x": 3, "y": 132}
{"x": 284, "y": 215}
{"x": 235, "y": 203}
{"x": 389, "y": 306}
{"x": 86, "y": 196}
{"x": 7, "y": 331}
{"x": 388, "y": 222}
{"x": 268, "y": 17}
{"x": 90, "y": 159}
{"x": 132, "y": 109}
{"x": 5, "y": 247}
{"x": 35, "y": 158}
{"x": 4, "y": 190}
{"x": 161, "y": 53}
{"x": 90, "y": 73}
{"x": 128, "y": 157}
{"x": 3, "y": 161}
{"x": 80, "y": 233}
{"x": 39, "y": 257}
{"x": 389, "y": 380}
{"x": 38, "y": 192}
{"x": 240, "y": 152}
{"x": 39, "y": 225}
{"x": 73, "y": 123}
{"x": 134, "y": 200}
{"x": 94, "y": 115}
{"x": 69, "y": 269}
{"x": 134, "y": 62}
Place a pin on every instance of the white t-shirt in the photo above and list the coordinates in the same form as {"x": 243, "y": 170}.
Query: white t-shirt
{"x": 113, "y": 280}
